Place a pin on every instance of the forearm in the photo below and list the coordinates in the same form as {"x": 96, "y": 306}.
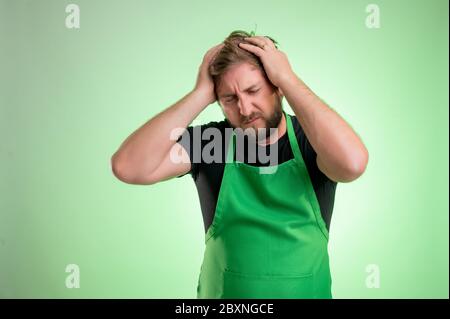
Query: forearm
{"x": 144, "y": 149}
{"x": 341, "y": 154}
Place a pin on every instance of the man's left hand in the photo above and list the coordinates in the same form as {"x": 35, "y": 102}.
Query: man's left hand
{"x": 275, "y": 62}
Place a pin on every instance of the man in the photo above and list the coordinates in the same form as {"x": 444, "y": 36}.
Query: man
{"x": 266, "y": 233}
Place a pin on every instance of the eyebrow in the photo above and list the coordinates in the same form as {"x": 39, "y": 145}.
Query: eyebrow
{"x": 253, "y": 86}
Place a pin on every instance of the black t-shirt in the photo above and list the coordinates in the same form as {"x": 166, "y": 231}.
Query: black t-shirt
{"x": 208, "y": 176}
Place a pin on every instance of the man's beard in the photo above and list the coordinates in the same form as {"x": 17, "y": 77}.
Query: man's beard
{"x": 271, "y": 123}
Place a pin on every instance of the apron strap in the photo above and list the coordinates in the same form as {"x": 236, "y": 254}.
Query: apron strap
{"x": 293, "y": 138}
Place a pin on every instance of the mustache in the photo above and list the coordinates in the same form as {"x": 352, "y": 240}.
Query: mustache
{"x": 251, "y": 117}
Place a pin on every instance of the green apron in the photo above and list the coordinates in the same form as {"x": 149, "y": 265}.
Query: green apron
{"x": 267, "y": 238}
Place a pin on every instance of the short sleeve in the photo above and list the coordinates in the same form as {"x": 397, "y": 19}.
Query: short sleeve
{"x": 187, "y": 141}
{"x": 193, "y": 142}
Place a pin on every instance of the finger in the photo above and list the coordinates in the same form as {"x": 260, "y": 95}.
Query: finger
{"x": 216, "y": 48}
{"x": 255, "y": 40}
{"x": 252, "y": 48}
{"x": 260, "y": 41}
{"x": 214, "y": 52}
{"x": 219, "y": 46}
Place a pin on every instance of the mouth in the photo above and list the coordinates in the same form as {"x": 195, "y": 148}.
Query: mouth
{"x": 251, "y": 121}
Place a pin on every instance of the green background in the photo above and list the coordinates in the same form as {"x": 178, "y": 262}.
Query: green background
{"x": 69, "y": 97}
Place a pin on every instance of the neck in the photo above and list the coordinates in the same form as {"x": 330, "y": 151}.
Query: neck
{"x": 279, "y": 132}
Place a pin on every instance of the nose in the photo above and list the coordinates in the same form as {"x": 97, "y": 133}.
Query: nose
{"x": 245, "y": 107}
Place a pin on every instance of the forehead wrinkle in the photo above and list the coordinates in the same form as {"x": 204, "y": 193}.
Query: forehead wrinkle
{"x": 238, "y": 69}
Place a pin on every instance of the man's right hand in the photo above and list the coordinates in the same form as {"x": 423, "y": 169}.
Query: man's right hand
{"x": 205, "y": 83}
{"x": 144, "y": 157}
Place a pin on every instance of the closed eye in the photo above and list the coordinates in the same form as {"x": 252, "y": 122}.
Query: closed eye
{"x": 229, "y": 100}
{"x": 253, "y": 91}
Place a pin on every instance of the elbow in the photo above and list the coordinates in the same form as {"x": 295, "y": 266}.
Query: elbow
{"x": 356, "y": 165}
{"x": 124, "y": 171}
{"x": 121, "y": 170}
